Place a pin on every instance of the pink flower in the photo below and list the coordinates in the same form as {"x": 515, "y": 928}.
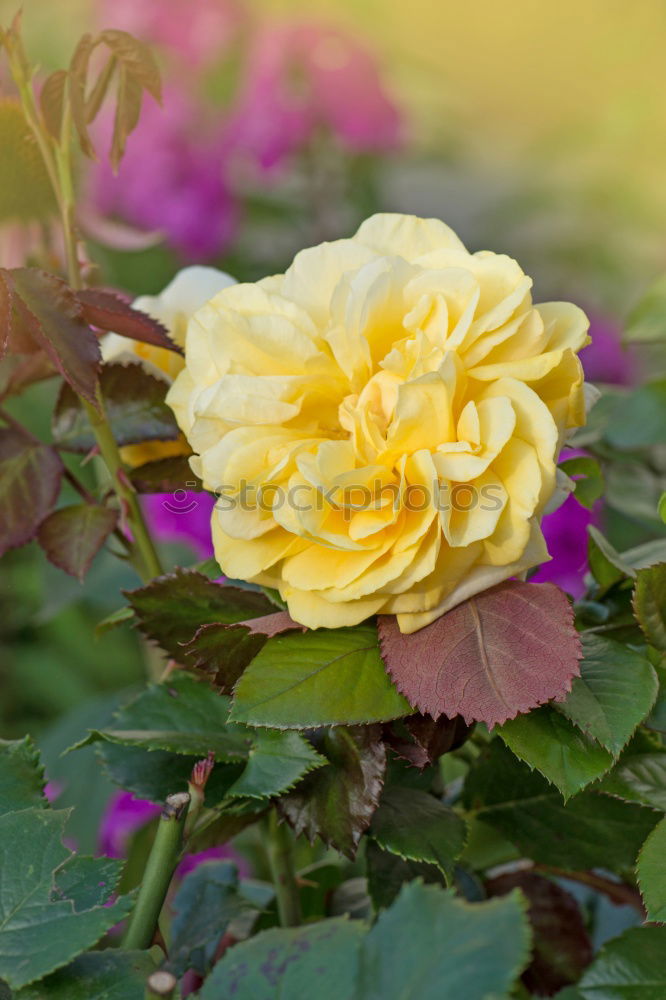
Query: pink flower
{"x": 124, "y": 815}
{"x": 605, "y": 359}
{"x": 182, "y": 517}
{"x": 302, "y": 76}
{"x": 171, "y": 178}
{"x": 196, "y": 31}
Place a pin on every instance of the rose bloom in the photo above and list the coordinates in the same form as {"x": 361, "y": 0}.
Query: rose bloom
{"x": 341, "y": 408}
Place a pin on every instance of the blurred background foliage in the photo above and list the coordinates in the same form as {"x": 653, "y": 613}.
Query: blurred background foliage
{"x": 534, "y": 129}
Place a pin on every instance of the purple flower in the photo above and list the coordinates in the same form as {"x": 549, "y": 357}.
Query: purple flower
{"x": 565, "y": 531}
{"x": 124, "y": 815}
{"x": 605, "y": 359}
{"x": 302, "y": 76}
{"x": 182, "y": 517}
{"x": 171, "y": 178}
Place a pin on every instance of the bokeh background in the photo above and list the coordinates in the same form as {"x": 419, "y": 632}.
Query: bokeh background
{"x": 534, "y": 129}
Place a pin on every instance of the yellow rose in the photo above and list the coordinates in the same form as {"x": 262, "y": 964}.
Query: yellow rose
{"x": 190, "y": 289}
{"x": 382, "y": 422}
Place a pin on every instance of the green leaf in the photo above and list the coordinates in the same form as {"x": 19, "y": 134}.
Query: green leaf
{"x": 30, "y": 475}
{"x": 172, "y": 608}
{"x": 51, "y": 99}
{"x": 204, "y": 906}
{"x": 607, "y": 565}
{"x": 165, "y": 475}
{"x": 590, "y": 487}
{"x": 276, "y": 762}
{"x": 72, "y": 536}
{"x": 418, "y": 827}
{"x": 45, "y": 312}
{"x": 337, "y": 801}
{"x": 555, "y": 747}
{"x": 220, "y": 653}
{"x": 319, "y": 960}
{"x": 614, "y": 693}
{"x": 100, "y": 975}
{"x": 590, "y": 831}
{"x": 651, "y": 873}
{"x": 119, "y": 617}
{"x": 638, "y": 778}
{"x": 650, "y": 604}
{"x": 134, "y": 404}
{"x": 183, "y": 716}
{"x": 38, "y": 934}
{"x": 21, "y": 776}
{"x": 321, "y": 678}
{"x": 647, "y": 321}
{"x": 387, "y": 873}
{"x": 638, "y": 420}
{"x": 430, "y": 945}
{"x": 87, "y": 882}
{"x": 631, "y": 967}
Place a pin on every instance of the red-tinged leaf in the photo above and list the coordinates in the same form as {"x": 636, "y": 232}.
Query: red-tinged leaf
{"x": 20, "y": 370}
{"x": 135, "y": 408}
{"x": 501, "y": 653}
{"x": 165, "y": 475}
{"x": 128, "y": 112}
{"x": 275, "y": 624}
{"x": 421, "y": 740}
{"x": 337, "y": 802}
{"x": 72, "y": 536}
{"x": 561, "y": 945}
{"x": 78, "y": 79}
{"x": 51, "y": 101}
{"x": 107, "y": 311}
{"x": 100, "y": 89}
{"x": 30, "y": 475}
{"x": 45, "y": 310}
{"x": 137, "y": 59}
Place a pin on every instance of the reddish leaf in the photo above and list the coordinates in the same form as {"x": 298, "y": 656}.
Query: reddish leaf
{"x": 165, "y": 475}
{"x": 108, "y": 311}
{"x": 78, "y": 77}
{"x": 30, "y": 475}
{"x": 38, "y": 308}
{"x": 20, "y": 370}
{"x": 72, "y": 536}
{"x": 561, "y": 948}
{"x": 337, "y": 802}
{"x": 51, "y": 101}
{"x": 275, "y": 624}
{"x": 128, "y": 112}
{"x": 421, "y": 740}
{"x": 136, "y": 57}
{"x": 503, "y": 652}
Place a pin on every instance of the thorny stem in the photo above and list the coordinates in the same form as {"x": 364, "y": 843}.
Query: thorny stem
{"x": 57, "y": 161}
{"x": 281, "y": 861}
{"x": 160, "y": 867}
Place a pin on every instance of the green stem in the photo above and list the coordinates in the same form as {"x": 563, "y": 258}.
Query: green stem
{"x": 160, "y": 867}
{"x": 280, "y": 850}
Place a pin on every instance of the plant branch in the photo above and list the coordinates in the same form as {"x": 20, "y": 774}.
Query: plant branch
{"x": 619, "y": 893}
{"x": 160, "y": 867}
{"x": 281, "y": 860}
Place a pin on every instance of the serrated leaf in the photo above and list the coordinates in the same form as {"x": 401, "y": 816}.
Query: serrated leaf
{"x": 204, "y": 906}
{"x": 128, "y": 112}
{"x": 277, "y": 760}
{"x": 337, "y": 801}
{"x": 99, "y": 975}
{"x": 651, "y": 873}
{"x": 630, "y": 967}
{"x": 430, "y": 945}
{"x": 421, "y": 740}
{"x": 615, "y": 691}
{"x": 135, "y": 407}
{"x": 21, "y": 776}
{"x": 590, "y": 831}
{"x": 72, "y": 536}
{"x": 638, "y": 420}
{"x": 78, "y": 77}
{"x": 638, "y": 778}
{"x": 116, "y": 618}
{"x": 51, "y": 100}
{"x": 30, "y": 476}
{"x": 45, "y": 311}
{"x": 37, "y": 934}
{"x": 220, "y": 653}
{"x": 182, "y": 716}
{"x": 505, "y": 651}
{"x": 107, "y": 311}
{"x": 319, "y": 960}
{"x": 418, "y": 827}
{"x": 165, "y": 475}
{"x": 172, "y": 608}
{"x": 590, "y": 486}
{"x": 650, "y": 604}
{"x": 387, "y": 873}
{"x": 86, "y": 881}
{"x": 561, "y": 946}
{"x": 321, "y": 678}
{"x": 137, "y": 57}
{"x": 545, "y": 740}
{"x": 607, "y": 565}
